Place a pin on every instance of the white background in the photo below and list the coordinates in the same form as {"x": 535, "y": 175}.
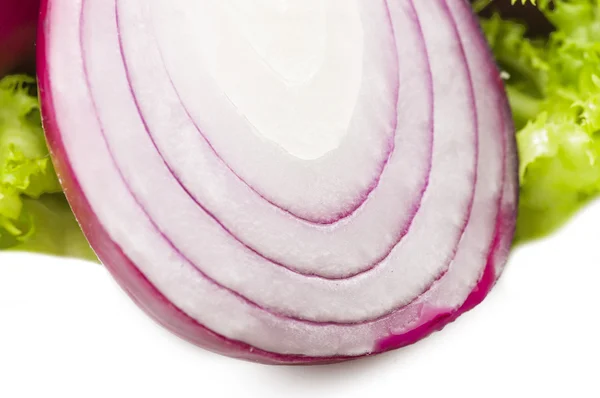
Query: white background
{"x": 67, "y": 330}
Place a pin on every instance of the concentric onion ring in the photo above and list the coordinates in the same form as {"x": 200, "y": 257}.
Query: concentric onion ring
{"x": 244, "y": 246}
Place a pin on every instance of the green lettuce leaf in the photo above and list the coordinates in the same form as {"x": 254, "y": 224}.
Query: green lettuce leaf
{"x": 553, "y": 85}
{"x": 34, "y": 214}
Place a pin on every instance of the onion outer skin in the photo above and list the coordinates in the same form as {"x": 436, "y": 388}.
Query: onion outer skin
{"x": 18, "y": 26}
{"x": 151, "y": 300}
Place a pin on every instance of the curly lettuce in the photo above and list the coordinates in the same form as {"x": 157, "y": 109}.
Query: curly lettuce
{"x": 553, "y": 85}
{"x": 34, "y": 214}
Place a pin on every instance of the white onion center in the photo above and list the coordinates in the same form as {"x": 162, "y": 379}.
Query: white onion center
{"x": 304, "y": 58}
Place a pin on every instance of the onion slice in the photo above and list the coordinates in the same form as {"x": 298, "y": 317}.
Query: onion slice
{"x": 292, "y": 182}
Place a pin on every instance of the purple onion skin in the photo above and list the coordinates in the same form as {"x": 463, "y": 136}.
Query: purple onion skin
{"x": 164, "y": 312}
{"x": 18, "y": 26}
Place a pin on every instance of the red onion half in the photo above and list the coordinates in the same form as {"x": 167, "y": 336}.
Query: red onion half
{"x": 18, "y": 25}
{"x": 284, "y": 182}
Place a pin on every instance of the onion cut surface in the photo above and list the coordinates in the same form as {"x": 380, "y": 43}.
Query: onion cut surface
{"x": 287, "y": 182}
